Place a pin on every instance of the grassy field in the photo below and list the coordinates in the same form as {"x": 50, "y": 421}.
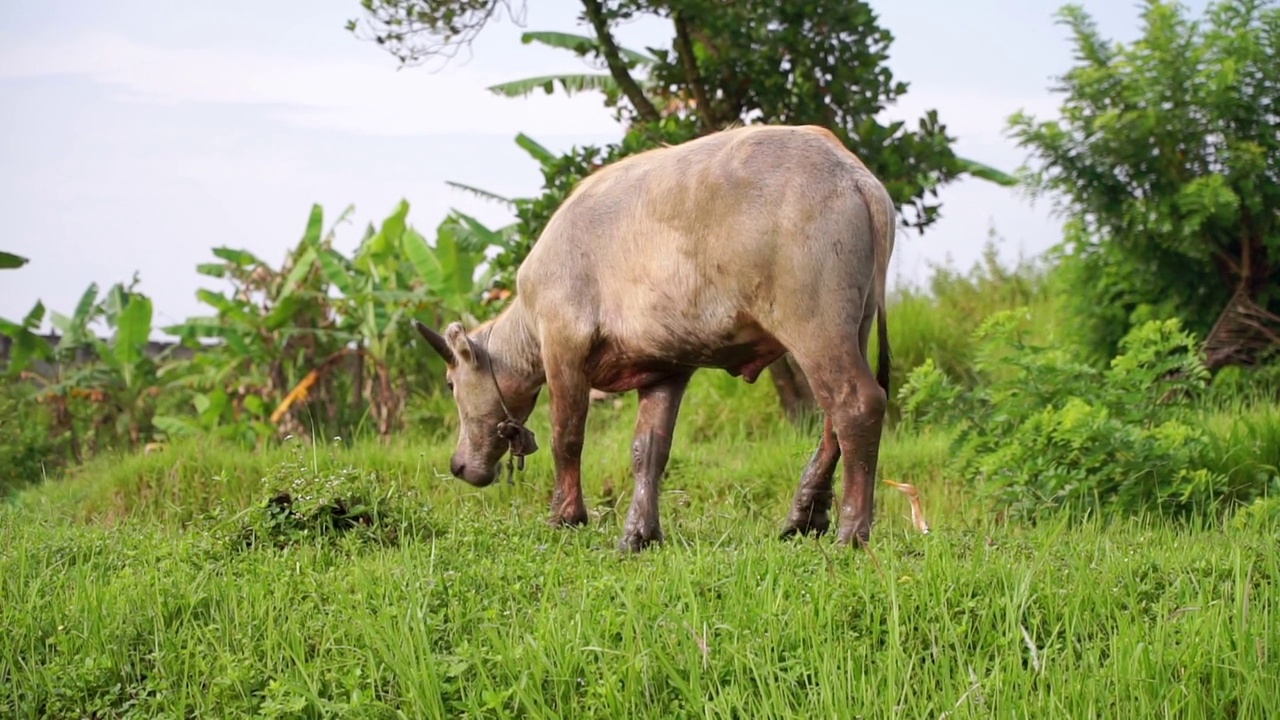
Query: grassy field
{"x": 158, "y": 586}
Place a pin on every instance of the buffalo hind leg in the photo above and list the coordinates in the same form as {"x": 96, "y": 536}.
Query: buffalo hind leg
{"x": 863, "y": 430}
{"x": 650, "y": 449}
{"x": 810, "y": 511}
{"x": 859, "y": 421}
{"x": 855, "y": 405}
{"x": 570, "y": 399}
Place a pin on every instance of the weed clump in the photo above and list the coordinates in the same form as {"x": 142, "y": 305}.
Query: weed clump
{"x": 305, "y": 503}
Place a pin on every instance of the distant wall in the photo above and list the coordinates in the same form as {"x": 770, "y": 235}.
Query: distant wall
{"x": 154, "y": 349}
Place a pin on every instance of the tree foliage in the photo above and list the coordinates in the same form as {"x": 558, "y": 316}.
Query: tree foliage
{"x": 1166, "y": 159}
{"x": 749, "y": 61}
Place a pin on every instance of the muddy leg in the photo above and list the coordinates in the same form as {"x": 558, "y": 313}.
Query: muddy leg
{"x": 855, "y": 405}
{"x": 655, "y": 422}
{"x": 858, "y": 422}
{"x": 570, "y": 398}
{"x": 863, "y": 428}
{"x": 810, "y": 511}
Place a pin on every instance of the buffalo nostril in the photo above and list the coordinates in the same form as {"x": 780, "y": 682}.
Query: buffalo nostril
{"x": 457, "y": 468}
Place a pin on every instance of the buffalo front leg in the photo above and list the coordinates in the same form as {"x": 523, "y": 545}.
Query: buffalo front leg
{"x": 650, "y": 449}
{"x": 570, "y": 398}
{"x": 810, "y": 511}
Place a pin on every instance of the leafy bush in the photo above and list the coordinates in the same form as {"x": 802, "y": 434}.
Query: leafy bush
{"x": 1044, "y": 430}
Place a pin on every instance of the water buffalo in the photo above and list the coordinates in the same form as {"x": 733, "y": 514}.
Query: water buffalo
{"x": 723, "y": 252}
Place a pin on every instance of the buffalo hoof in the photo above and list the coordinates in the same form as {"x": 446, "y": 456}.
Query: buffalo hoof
{"x": 568, "y": 513}
{"x": 856, "y": 535}
{"x": 558, "y": 521}
{"x": 816, "y": 525}
{"x": 633, "y": 541}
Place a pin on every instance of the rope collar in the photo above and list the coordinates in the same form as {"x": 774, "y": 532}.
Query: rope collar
{"x": 520, "y": 439}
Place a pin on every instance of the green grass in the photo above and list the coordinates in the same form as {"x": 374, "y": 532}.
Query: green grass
{"x": 128, "y": 590}
{"x": 495, "y": 616}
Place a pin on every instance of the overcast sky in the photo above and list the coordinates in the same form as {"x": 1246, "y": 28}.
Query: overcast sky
{"x": 137, "y": 135}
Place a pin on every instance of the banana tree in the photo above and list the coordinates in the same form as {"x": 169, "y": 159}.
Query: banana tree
{"x": 267, "y": 358}
{"x": 268, "y": 331}
{"x": 372, "y": 300}
{"x": 396, "y": 274}
{"x": 25, "y": 345}
{"x": 72, "y": 348}
{"x": 125, "y": 373}
{"x": 571, "y": 83}
{"x": 114, "y": 381}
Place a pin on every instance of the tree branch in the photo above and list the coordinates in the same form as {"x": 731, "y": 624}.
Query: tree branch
{"x": 617, "y": 68}
{"x": 1228, "y": 265}
{"x": 415, "y": 31}
{"x": 684, "y": 48}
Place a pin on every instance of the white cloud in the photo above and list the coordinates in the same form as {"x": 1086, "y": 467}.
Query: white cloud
{"x": 357, "y": 95}
{"x": 364, "y": 94}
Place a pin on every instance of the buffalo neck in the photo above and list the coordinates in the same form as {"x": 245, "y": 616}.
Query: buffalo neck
{"x": 515, "y": 351}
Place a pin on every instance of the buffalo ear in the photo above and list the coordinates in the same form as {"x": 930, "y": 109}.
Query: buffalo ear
{"x": 459, "y": 343}
{"x": 437, "y": 343}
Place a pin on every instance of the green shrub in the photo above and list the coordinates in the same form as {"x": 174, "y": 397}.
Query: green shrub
{"x": 1234, "y": 384}
{"x": 936, "y": 322}
{"x": 1044, "y": 430}
{"x": 1245, "y": 447}
{"x": 27, "y": 451}
{"x": 1263, "y": 513}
